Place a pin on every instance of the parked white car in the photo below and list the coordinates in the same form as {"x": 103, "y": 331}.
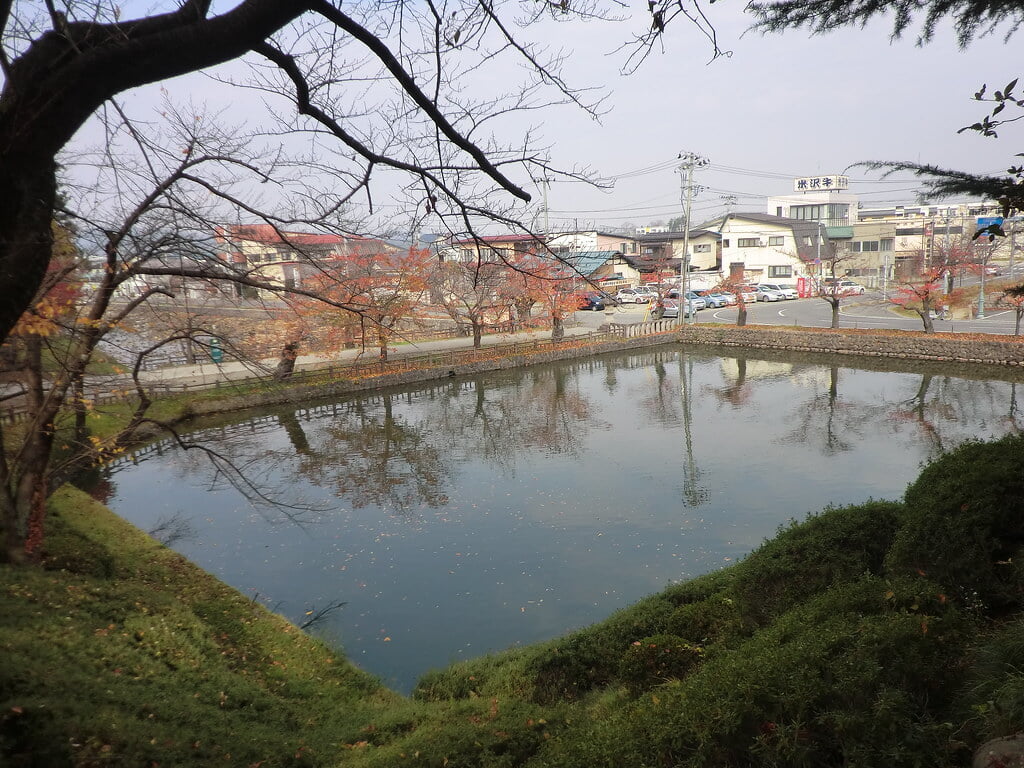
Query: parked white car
{"x": 842, "y": 287}
{"x": 630, "y": 296}
{"x": 785, "y": 290}
{"x": 850, "y": 288}
{"x": 648, "y": 293}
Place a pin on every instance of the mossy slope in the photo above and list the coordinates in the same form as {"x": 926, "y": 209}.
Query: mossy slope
{"x": 880, "y": 634}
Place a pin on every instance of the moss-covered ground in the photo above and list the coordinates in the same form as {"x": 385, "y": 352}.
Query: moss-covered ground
{"x": 884, "y": 634}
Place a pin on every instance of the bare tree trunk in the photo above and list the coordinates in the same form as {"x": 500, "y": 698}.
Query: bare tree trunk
{"x": 25, "y": 497}
{"x": 557, "y": 328}
{"x": 1016, "y": 320}
{"x": 26, "y": 239}
{"x": 78, "y": 404}
{"x": 835, "y": 313}
{"x": 286, "y": 363}
{"x": 478, "y": 331}
{"x": 926, "y": 318}
{"x": 741, "y": 314}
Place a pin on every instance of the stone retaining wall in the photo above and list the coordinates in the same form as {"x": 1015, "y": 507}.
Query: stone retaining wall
{"x": 280, "y": 393}
{"x": 961, "y": 348}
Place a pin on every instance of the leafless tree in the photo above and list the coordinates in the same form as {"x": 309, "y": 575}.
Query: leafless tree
{"x": 471, "y": 294}
{"x": 156, "y": 224}
{"x": 344, "y": 76}
{"x": 376, "y": 90}
{"x": 830, "y": 288}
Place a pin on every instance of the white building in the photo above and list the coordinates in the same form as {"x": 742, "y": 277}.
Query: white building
{"x": 758, "y": 247}
{"x": 823, "y": 199}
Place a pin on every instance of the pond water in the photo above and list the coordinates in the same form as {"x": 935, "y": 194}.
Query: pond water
{"x": 472, "y": 515}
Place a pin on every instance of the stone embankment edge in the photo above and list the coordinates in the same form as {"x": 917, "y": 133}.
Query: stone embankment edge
{"x": 892, "y": 344}
{"x": 908, "y": 345}
{"x": 279, "y": 393}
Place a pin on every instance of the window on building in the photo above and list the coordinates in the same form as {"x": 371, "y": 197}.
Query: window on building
{"x": 467, "y": 254}
{"x": 725, "y": 243}
{"x": 748, "y": 242}
{"x": 785, "y": 271}
{"x": 808, "y": 240}
{"x": 807, "y": 212}
{"x": 887, "y": 243}
{"x": 836, "y": 214}
{"x": 868, "y": 246}
{"x": 702, "y": 248}
{"x": 776, "y": 240}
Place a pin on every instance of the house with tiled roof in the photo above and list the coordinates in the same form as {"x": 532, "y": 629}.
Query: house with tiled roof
{"x": 666, "y": 248}
{"x": 488, "y": 248}
{"x": 593, "y": 241}
{"x": 510, "y": 246}
{"x": 287, "y": 258}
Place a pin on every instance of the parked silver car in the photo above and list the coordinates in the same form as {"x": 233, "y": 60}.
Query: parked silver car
{"x": 764, "y": 293}
{"x": 728, "y": 298}
{"x": 785, "y": 290}
{"x": 696, "y": 300}
{"x": 666, "y": 308}
{"x": 713, "y": 299}
{"x": 670, "y": 308}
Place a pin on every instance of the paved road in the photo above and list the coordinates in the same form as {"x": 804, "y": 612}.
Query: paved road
{"x": 867, "y": 311}
{"x": 209, "y": 372}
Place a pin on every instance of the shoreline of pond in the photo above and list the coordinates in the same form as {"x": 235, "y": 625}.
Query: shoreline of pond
{"x": 904, "y": 345}
{"x": 973, "y": 357}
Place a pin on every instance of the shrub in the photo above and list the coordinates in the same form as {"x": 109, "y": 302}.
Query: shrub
{"x": 964, "y": 524}
{"x": 653, "y": 660}
{"x": 715, "y": 620}
{"x": 836, "y": 545}
{"x": 859, "y": 675}
{"x": 993, "y": 699}
{"x": 582, "y": 661}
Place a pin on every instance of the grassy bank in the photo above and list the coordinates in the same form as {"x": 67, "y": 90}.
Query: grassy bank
{"x": 882, "y": 634}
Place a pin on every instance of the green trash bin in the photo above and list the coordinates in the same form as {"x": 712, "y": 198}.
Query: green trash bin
{"x": 216, "y": 353}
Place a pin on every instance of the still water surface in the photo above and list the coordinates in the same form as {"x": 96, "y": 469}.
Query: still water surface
{"x": 471, "y": 515}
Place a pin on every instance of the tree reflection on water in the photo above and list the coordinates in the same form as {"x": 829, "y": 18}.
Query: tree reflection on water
{"x": 474, "y": 513}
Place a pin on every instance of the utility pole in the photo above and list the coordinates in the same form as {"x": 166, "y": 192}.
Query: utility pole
{"x": 690, "y": 161}
{"x": 981, "y": 285}
{"x": 544, "y": 187}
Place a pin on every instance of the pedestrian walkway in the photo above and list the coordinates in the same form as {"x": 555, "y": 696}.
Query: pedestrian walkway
{"x": 210, "y": 373}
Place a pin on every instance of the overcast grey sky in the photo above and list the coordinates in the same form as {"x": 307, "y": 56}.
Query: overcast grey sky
{"x": 779, "y": 107}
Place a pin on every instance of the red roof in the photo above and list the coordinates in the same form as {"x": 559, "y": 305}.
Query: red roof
{"x": 265, "y": 233}
{"x": 500, "y": 239}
